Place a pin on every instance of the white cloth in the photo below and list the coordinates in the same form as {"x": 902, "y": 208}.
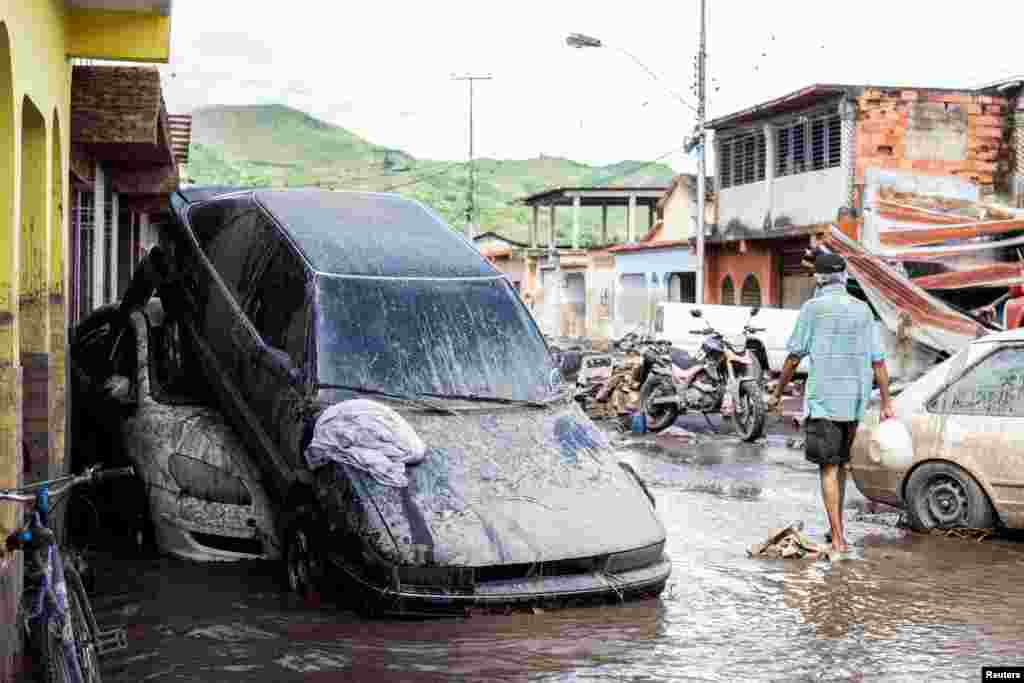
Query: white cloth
{"x": 369, "y": 436}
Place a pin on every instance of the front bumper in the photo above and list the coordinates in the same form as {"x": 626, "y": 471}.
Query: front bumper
{"x": 647, "y": 581}
{"x": 208, "y": 532}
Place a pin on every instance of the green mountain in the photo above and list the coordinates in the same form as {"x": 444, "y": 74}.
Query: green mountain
{"x": 274, "y": 145}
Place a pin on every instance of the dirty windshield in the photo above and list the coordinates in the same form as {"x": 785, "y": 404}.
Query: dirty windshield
{"x": 467, "y": 337}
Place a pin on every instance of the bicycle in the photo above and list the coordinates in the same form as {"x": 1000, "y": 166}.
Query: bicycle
{"x": 58, "y": 618}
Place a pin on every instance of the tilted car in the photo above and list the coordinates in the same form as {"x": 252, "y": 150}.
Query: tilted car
{"x": 960, "y": 462}
{"x": 300, "y": 299}
{"x": 133, "y": 378}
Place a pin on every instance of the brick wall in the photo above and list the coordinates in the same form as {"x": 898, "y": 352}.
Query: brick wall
{"x": 1017, "y": 152}
{"x": 934, "y": 133}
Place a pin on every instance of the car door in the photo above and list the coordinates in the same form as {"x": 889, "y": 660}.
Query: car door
{"x": 980, "y": 415}
{"x": 278, "y": 308}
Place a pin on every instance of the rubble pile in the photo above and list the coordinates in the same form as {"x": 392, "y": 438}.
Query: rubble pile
{"x": 788, "y": 542}
{"x": 620, "y": 395}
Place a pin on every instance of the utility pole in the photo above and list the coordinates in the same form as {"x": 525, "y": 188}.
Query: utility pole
{"x": 702, "y": 141}
{"x": 471, "y": 204}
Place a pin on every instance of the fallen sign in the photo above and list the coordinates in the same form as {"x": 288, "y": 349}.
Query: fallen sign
{"x": 789, "y": 542}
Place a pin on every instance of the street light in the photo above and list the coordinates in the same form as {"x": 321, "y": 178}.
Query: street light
{"x": 699, "y": 137}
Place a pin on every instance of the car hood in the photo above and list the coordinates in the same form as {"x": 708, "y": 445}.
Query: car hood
{"x": 510, "y": 486}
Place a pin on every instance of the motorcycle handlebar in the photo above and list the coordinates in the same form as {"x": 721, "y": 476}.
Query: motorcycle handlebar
{"x": 114, "y": 473}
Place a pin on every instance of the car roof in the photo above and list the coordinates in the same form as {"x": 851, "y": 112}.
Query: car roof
{"x": 1015, "y": 335}
{"x": 373, "y": 235}
{"x": 365, "y": 234}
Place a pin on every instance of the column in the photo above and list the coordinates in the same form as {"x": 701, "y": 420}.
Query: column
{"x": 769, "y": 174}
{"x": 604, "y": 224}
{"x": 533, "y": 227}
{"x": 631, "y": 218}
{"x": 99, "y": 227}
{"x": 848, "y": 146}
{"x": 553, "y": 227}
{"x": 115, "y": 215}
{"x": 576, "y": 222}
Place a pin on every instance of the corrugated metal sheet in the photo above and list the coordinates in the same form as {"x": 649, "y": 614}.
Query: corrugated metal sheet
{"x": 905, "y": 308}
{"x": 181, "y": 135}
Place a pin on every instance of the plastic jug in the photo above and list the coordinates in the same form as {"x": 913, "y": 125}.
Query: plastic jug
{"x": 891, "y": 445}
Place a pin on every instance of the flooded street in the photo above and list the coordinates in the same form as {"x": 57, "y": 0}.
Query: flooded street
{"x": 905, "y": 606}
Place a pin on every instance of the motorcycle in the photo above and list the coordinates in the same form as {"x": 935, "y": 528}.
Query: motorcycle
{"x": 726, "y": 376}
{"x": 608, "y": 384}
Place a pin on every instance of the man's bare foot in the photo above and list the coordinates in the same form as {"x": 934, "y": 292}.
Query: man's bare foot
{"x": 840, "y": 547}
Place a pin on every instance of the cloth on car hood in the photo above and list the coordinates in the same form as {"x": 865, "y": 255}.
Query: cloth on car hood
{"x": 369, "y": 436}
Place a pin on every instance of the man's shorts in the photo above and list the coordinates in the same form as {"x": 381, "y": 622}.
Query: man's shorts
{"x": 828, "y": 442}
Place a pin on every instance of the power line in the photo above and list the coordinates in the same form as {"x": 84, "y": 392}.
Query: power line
{"x": 422, "y": 178}
{"x": 641, "y": 166}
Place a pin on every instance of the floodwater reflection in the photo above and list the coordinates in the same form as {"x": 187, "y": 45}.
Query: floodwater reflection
{"x": 905, "y": 607}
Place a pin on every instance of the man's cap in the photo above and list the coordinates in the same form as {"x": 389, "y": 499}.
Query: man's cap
{"x": 826, "y": 263}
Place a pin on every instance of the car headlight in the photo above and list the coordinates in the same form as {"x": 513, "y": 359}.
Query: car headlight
{"x": 635, "y": 559}
{"x": 207, "y": 482}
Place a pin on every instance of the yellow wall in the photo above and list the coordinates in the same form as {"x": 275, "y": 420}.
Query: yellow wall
{"x": 36, "y": 39}
{"x": 34, "y": 93}
{"x": 98, "y": 34}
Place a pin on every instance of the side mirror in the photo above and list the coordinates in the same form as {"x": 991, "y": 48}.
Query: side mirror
{"x": 281, "y": 362}
{"x": 754, "y": 311}
{"x": 118, "y": 388}
{"x": 695, "y": 312}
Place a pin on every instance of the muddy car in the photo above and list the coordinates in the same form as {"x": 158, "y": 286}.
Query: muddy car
{"x": 961, "y": 462}
{"x": 133, "y": 378}
{"x": 298, "y": 300}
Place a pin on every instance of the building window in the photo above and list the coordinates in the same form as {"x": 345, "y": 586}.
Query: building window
{"x": 750, "y": 295}
{"x": 682, "y": 287}
{"x": 809, "y": 145}
{"x": 742, "y": 159}
{"x": 728, "y": 291}
{"x": 83, "y": 218}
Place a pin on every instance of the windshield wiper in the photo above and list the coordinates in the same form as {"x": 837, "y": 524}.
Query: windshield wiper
{"x": 418, "y": 401}
{"x": 477, "y": 398}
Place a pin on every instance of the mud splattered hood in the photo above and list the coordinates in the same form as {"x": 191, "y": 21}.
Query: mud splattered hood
{"x": 510, "y": 485}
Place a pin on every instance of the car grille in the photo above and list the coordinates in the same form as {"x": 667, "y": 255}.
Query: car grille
{"x": 249, "y": 546}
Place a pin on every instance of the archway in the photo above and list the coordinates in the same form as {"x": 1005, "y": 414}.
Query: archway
{"x": 57, "y": 300}
{"x": 750, "y": 295}
{"x": 33, "y": 313}
{"x": 728, "y": 291}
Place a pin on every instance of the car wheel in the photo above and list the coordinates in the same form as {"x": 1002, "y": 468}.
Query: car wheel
{"x": 302, "y": 562}
{"x": 941, "y": 495}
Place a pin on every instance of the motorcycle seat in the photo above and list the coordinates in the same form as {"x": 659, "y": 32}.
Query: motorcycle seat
{"x": 682, "y": 359}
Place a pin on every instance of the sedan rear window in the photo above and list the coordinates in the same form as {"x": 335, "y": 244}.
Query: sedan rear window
{"x": 995, "y": 386}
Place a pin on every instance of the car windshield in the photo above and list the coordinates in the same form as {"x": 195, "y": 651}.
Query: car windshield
{"x": 463, "y": 337}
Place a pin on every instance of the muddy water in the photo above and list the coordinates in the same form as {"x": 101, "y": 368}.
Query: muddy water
{"x": 904, "y": 606}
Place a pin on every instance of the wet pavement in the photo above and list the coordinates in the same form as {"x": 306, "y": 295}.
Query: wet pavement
{"x": 904, "y": 607}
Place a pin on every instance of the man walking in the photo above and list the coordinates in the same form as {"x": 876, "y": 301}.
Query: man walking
{"x": 839, "y": 334}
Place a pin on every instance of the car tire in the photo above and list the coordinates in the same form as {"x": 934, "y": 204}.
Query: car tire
{"x": 303, "y": 562}
{"x": 940, "y": 495}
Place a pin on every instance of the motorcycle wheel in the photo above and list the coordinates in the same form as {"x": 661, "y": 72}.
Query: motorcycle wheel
{"x": 658, "y": 417}
{"x": 750, "y": 426}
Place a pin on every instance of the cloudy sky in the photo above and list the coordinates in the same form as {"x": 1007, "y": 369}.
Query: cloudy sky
{"x": 383, "y": 68}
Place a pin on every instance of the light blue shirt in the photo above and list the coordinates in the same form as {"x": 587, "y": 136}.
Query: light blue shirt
{"x": 840, "y": 335}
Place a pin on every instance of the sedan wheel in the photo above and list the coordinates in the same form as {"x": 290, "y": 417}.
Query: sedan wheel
{"x": 941, "y": 495}
{"x": 302, "y": 563}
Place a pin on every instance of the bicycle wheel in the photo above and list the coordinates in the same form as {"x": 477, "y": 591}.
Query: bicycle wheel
{"x": 83, "y": 623}
{"x": 51, "y": 665}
